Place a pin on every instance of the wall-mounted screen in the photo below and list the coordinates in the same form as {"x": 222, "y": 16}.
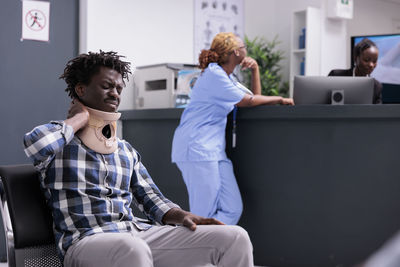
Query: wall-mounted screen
{"x": 387, "y": 70}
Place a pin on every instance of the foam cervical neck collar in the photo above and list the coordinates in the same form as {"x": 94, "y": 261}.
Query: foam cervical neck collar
{"x": 100, "y": 132}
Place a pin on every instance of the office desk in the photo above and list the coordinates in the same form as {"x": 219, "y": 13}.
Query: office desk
{"x": 320, "y": 184}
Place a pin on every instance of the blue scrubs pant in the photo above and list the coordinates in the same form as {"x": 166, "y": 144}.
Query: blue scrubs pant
{"x": 213, "y": 190}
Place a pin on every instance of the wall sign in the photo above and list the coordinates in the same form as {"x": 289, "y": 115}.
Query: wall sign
{"x": 35, "y": 20}
{"x": 215, "y": 16}
{"x": 340, "y": 9}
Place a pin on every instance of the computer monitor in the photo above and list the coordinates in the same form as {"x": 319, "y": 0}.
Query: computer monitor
{"x": 310, "y": 90}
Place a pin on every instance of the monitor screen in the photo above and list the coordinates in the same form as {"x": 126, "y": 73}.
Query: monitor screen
{"x": 388, "y": 68}
{"x": 387, "y": 71}
{"x": 310, "y": 90}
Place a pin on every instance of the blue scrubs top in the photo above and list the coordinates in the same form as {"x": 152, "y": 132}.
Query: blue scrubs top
{"x": 200, "y": 135}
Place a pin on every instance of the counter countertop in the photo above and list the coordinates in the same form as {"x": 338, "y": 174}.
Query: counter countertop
{"x": 282, "y": 112}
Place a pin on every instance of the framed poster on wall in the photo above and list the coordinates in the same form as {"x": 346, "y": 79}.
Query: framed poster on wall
{"x": 214, "y": 16}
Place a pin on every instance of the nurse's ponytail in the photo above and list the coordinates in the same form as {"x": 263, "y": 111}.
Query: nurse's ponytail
{"x": 206, "y": 57}
{"x": 222, "y": 45}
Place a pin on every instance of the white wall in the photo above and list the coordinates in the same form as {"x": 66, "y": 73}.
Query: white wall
{"x": 159, "y": 31}
{"x": 333, "y": 43}
{"x": 270, "y": 18}
{"x": 146, "y": 32}
{"x": 277, "y": 15}
{"x": 372, "y": 17}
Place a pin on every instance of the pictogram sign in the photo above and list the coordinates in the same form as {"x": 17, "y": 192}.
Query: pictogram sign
{"x": 35, "y": 20}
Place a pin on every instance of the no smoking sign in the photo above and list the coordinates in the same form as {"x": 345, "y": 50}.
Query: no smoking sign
{"x": 35, "y": 20}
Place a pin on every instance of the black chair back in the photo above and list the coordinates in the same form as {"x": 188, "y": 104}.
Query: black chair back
{"x": 31, "y": 219}
{"x": 28, "y": 223}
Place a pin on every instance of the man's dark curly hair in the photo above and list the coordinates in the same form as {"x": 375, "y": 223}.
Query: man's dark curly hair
{"x": 82, "y": 68}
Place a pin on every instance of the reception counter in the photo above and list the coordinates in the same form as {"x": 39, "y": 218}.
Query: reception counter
{"x": 320, "y": 184}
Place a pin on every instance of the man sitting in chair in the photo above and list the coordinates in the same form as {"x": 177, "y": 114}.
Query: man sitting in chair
{"x": 90, "y": 178}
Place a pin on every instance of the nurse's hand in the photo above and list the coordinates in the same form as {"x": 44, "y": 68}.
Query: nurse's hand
{"x": 287, "y": 101}
{"x": 249, "y": 63}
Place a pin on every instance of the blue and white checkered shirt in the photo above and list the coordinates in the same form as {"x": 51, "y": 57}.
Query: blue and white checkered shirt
{"x": 89, "y": 192}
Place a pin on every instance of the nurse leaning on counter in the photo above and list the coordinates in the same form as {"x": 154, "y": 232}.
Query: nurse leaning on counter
{"x": 198, "y": 146}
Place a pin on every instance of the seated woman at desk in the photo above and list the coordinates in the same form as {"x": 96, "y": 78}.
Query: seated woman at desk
{"x": 198, "y": 146}
{"x": 365, "y": 59}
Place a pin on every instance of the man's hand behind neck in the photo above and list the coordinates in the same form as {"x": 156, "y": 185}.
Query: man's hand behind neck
{"x": 78, "y": 115}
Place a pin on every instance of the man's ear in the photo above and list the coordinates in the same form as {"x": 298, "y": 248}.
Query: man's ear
{"x": 80, "y": 89}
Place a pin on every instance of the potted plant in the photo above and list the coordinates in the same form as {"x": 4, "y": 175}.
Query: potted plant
{"x": 268, "y": 58}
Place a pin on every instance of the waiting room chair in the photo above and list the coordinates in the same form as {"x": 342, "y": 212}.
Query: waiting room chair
{"x": 27, "y": 219}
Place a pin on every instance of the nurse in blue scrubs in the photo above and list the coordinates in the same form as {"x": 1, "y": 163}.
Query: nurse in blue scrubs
{"x": 198, "y": 146}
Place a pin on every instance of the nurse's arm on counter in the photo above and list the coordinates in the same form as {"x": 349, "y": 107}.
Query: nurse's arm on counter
{"x": 257, "y": 100}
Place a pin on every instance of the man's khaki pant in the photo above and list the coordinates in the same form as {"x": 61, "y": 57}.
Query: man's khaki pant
{"x": 164, "y": 246}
